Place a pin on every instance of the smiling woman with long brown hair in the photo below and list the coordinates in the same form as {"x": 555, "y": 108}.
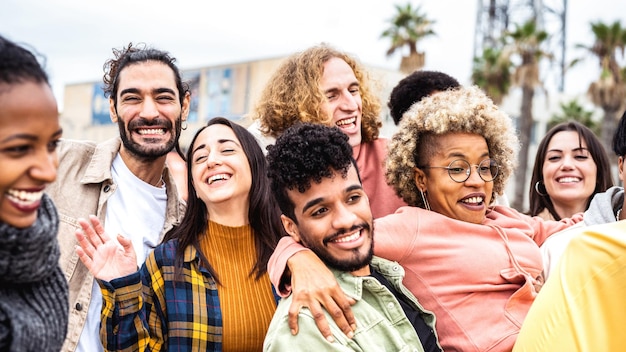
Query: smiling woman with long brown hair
{"x": 205, "y": 287}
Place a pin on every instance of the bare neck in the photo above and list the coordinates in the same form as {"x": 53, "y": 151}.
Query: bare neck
{"x": 149, "y": 171}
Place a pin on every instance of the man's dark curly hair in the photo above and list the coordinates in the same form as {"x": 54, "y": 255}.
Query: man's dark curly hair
{"x": 414, "y": 88}
{"x": 306, "y": 153}
{"x": 133, "y": 54}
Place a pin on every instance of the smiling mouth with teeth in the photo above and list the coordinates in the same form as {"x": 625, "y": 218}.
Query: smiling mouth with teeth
{"x": 347, "y": 238}
{"x": 346, "y": 122}
{"x": 568, "y": 180}
{"x": 473, "y": 200}
{"x": 218, "y": 178}
{"x": 24, "y": 197}
{"x": 144, "y": 131}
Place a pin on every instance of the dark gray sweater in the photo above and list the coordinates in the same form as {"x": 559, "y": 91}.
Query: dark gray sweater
{"x": 33, "y": 289}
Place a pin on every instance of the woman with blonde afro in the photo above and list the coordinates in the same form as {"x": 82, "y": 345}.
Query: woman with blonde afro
{"x": 323, "y": 85}
{"x": 475, "y": 265}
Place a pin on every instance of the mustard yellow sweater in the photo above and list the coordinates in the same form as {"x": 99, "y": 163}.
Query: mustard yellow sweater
{"x": 247, "y": 304}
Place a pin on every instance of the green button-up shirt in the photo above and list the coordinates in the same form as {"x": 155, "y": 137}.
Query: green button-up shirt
{"x": 381, "y": 322}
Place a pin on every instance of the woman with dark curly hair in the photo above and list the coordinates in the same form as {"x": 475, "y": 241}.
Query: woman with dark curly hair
{"x": 476, "y": 266}
{"x": 326, "y": 86}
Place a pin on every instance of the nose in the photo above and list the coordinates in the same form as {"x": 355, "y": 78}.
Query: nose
{"x": 567, "y": 162}
{"x": 343, "y": 217}
{"x": 348, "y": 101}
{"x": 149, "y": 109}
{"x": 213, "y": 159}
{"x": 474, "y": 177}
{"x": 45, "y": 167}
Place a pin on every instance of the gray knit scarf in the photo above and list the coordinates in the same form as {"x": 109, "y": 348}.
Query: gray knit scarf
{"x": 33, "y": 289}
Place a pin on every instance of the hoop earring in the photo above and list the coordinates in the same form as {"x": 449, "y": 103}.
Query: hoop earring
{"x": 537, "y": 185}
{"x": 184, "y": 125}
{"x": 424, "y": 200}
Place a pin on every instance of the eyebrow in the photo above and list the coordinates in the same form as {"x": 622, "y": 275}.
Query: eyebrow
{"x": 30, "y": 137}
{"x": 463, "y": 156}
{"x": 335, "y": 89}
{"x": 316, "y": 201}
{"x": 220, "y": 141}
{"x": 154, "y": 91}
{"x": 573, "y": 149}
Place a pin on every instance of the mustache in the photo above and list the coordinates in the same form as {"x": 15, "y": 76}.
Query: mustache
{"x": 143, "y": 122}
{"x": 362, "y": 226}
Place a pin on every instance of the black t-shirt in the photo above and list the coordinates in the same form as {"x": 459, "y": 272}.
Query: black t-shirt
{"x": 424, "y": 332}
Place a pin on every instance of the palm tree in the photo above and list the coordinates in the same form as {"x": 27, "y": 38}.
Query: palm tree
{"x": 526, "y": 41}
{"x": 608, "y": 91}
{"x": 492, "y": 73}
{"x": 573, "y": 111}
{"x": 406, "y": 28}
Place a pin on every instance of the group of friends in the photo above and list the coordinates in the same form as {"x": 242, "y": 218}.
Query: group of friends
{"x": 306, "y": 230}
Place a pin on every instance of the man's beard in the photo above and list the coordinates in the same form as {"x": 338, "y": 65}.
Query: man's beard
{"x": 357, "y": 261}
{"x": 150, "y": 151}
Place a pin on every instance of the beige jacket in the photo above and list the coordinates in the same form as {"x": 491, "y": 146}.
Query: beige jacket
{"x": 83, "y": 186}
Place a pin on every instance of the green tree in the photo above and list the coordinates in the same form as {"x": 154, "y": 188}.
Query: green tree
{"x": 525, "y": 47}
{"x": 492, "y": 73}
{"x": 573, "y": 111}
{"x": 608, "y": 92}
{"x": 406, "y": 28}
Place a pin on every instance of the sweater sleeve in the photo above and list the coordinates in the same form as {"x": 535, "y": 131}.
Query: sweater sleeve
{"x": 277, "y": 265}
{"x": 546, "y": 228}
{"x": 130, "y": 319}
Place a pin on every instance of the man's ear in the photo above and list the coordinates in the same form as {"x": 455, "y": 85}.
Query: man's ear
{"x": 291, "y": 227}
{"x": 420, "y": 179}
{"x": 185, "y": 108}
{"x": 112, "y": 112}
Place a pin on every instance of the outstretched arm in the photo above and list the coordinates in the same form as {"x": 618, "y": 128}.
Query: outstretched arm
{"x": 105, "y": 257}
{"x": 314, "y": 286}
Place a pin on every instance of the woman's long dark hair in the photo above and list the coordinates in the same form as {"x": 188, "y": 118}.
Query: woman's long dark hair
{"x": 538, "y": 202}
{"x": 263, "y": 213}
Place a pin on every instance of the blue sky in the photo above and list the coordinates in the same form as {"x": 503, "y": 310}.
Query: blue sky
{"x": 77, "y": 36}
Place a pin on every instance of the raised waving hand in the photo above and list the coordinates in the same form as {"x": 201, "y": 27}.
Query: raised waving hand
{"x": 106, "y": 258}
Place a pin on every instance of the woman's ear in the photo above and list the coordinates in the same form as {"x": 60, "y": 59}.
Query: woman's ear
{"x": 290, "y": 227}
{"x": 420, "y": 179}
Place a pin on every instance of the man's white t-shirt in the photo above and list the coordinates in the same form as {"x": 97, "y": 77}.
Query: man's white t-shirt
{"x": 136, "y": 210}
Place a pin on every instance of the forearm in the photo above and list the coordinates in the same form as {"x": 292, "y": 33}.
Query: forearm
{"x": 124, "y": 323}
{"x": 277, "y": 265}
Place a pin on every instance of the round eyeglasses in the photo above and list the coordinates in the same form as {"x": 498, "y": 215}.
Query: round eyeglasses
{"x": 460, "y": 170}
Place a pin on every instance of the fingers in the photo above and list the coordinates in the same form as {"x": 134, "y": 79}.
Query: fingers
{"x": 97, "y": 226}
{"x": 85, "y": 246}
{"x": 318, "y": 315}
{"x": 126, "y": 243}
{"x": 320, "y": 320}
{"x": 85, "y": 258}
{"x": 89, "y": 232}
{"x": 292, "y": 320}
{"x": 338, "y": 306}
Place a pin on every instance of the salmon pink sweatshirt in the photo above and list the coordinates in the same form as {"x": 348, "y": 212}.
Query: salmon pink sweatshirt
{"x": 478, "y": 279}
{"x": 370, "y": 159}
